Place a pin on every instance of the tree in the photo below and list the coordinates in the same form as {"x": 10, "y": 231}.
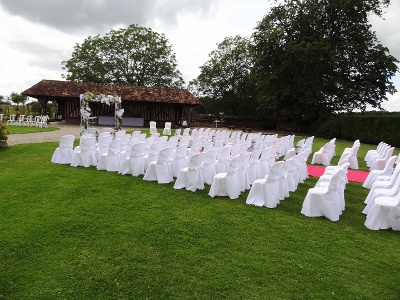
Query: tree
{"x": 18, "y": 99}
{"x": 224, "y": 84}
{"x": 134, "y": 56}
{"x": 316, "y": 57}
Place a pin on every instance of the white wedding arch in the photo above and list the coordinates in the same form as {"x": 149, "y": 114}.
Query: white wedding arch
{"x": 107, "y": 99}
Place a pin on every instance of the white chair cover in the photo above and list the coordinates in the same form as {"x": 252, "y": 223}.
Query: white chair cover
{"x": 379, "y": 164}
{"x": 110, "y": 161}
{"x": 384, "y": 214}
{"x": 252, "y": 168}
{"x": 180, "y": 160}
{"x": 265, "y": 192}
{"x": 208, "y": 169}
{"x": 153, "y": 153}
{"x": 381, "y": 192}
{"x": 322, "y": 156}
{"x": 153, "y": 127}
{"x": 167, "y": 128}
{"x": 226, "y": 184}
{"x": 325, "y": 201}
{"x": 243, "y": 179}
{"x": 64, "y": 154}
{"x": 388, "y": 170}
{"x": 86, "y": 155}
{"x": 160, "y": 170}
{"x": 190, "y": 177}
{"x": 223, "y": 159}
{"x": 134, "y": 164}
{"x": 103, "y": 143}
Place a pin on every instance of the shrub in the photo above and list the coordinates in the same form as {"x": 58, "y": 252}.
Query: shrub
{"x": 3, "y": 135}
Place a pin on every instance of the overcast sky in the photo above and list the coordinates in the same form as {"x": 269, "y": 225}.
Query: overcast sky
{"x": 37, "y": 35}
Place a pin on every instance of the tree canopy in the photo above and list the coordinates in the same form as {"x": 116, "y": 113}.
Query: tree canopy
{"x": 315, "y": 57}
{"x": 134, "y": 56}
{"x": 225, "y": 83}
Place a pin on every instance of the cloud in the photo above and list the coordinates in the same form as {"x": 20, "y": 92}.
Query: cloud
{"x": 386, "y": 29}
{"x": 73, "y": 16}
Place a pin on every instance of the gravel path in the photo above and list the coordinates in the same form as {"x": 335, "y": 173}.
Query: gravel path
{"x": 49, "y": 136}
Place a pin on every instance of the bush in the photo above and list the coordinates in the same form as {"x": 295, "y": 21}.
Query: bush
{"x": 3, "y": 135}
{"x": 330, "y": 129}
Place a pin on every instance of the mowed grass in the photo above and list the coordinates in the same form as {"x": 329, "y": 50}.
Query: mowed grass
{"x": 79, "y": 233}
{"x": 15, "y": 129}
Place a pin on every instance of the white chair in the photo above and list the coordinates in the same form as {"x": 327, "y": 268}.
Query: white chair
{"x": 374, "y": 151}
{"x": 208, "y": 169}
{"x": 322, "y": 156}
{"x": 11, "y": 120}
{"x": 21, "y": 120}
{"x": 29, "y": 120}
{"x": 180, "y": 160}
{"x": 64, "y": 153}
{"x": 253, "y": 163}
{"x": 226, "y": 184}
{"x": 379, "y": 164}
{"x": 177, "y": 131}
{"x": 388, "y": 170}
{"x": 223, "y": 159}
{"x": 85, "y": 155}
{"x": 43, "y": 122}
{"x": 110, "y": 161}
{"x": 104, "y": 140}
{"x": 190, "y": 177}
{"x": 266, "y": 191}
{"x": 243, "y": 179}
{"x": 134, "y": 164}
{"x": 325, "y": 201}
{"x": 152, "y": 154}
{"x": 153, "y": 127}
{"x": 384, "y": 214}
{"x": 37, "y": 120}
{"x": 390, "y": 191}
{"x": 160, "y": 170}
{"x": 353, "y": 158}
{"x": 167, "y": 128}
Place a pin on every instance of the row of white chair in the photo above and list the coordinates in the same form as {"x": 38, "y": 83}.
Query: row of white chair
{"x": 377, "y": 159}
{"x": 324, "y": 155}
{"x": 383, "y": 200}
{"x": 38, "y": 121}
{"x": 218, "y": 159}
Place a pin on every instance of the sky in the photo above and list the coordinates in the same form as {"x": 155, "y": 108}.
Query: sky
{"x": 36, "y": 36}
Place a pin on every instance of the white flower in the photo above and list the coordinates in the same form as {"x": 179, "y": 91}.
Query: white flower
{"x": 120, "y": 112}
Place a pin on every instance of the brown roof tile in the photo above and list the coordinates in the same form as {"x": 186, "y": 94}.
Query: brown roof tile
{"x": 68, "y": 89}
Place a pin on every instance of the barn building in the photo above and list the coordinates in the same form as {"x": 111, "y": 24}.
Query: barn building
{"x": 141, "y": 104}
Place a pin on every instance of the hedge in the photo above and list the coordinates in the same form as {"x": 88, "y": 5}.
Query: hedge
{"x": 370, "y": 129}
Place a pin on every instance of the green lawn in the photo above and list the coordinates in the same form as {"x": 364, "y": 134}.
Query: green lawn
{"x": 14, "y": 129}
{"x": 79, "y": 233}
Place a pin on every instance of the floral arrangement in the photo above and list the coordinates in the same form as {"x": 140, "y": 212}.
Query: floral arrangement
{"x": 107, "y": 99}
{"x": 3, "y": 135}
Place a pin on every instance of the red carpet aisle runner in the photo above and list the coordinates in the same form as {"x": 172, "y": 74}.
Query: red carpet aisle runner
{"x": 352, "y": 175}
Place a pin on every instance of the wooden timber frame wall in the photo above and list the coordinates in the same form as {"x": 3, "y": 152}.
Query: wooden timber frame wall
{"x": 159, "y": 112}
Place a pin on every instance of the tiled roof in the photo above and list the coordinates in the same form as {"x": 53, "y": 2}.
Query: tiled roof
{"x": 68, "y": 89}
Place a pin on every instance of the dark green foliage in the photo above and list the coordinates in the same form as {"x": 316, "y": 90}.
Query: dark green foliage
{"x": 225, "y": 83}
{"x": 369, "y": 128}
{"x": 317, "y": 57}
{"x": 133, "y": 56}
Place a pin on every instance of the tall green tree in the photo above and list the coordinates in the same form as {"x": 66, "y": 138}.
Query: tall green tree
{"x": 316, "y": 57}
{"x": 133, "y": 56}
{"x": 18, "y": 99}
{"x": 224, "y": 84}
